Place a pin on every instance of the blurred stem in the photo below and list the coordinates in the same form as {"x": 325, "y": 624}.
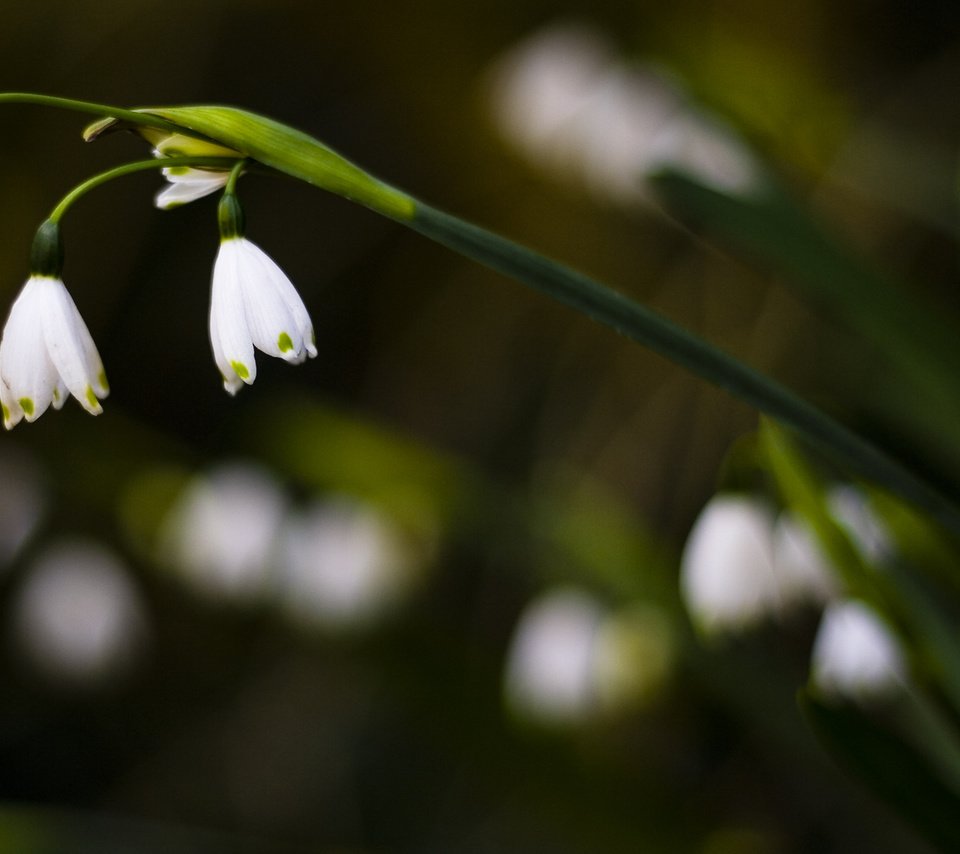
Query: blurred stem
{"x": 933, "y": 733}
{"x": 137, "y": 166}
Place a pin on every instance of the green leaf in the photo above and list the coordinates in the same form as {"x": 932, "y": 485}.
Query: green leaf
{"x": 918, "y": 342}
{"x": 659, "y": 334}
{"x": 889, "y": 765}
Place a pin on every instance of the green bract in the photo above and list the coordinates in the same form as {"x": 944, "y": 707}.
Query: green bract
{"x": 278, "y": 146}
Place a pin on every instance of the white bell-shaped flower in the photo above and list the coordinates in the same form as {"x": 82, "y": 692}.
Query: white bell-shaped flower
{"x": 254, "y": 304}
{"x": 186, "y": 184}
{"x": 727, "y": 575}
{"x": 46, "y": 352}
{"x": 855, "y": 654}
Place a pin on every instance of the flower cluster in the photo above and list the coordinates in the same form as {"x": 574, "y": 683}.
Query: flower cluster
{"x": 47, "y": 352}
{"x": 742, "y": 564}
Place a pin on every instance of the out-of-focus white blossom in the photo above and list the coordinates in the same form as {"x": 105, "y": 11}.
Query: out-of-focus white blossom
{"x": 343, "y": 564}
{"x": 855, "y": 654}
{"x": 850, "y": 507}
{"x": 803, "y": 571}
{"x": 564, "y": 100}
{"x": 571, "y": 658}
{"x": 78, "y": 616}
{"x": 549, "y": 673}
{"x": 223, "y": 532}
{"x": 727, "y": 575}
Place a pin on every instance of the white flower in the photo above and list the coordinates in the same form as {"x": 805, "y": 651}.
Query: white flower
{"x": 47, "y": 351}
{"x": 855, "y": 654}
{"x": 803, "y": 570}
{"x": 254, "y": 305}
{"x": 187, "y": 185}
{"x": 727, "y": 575}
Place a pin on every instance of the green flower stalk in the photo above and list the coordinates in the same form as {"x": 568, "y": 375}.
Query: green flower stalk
{"x": 191, "y": 133}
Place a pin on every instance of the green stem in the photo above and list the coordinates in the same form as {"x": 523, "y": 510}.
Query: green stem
{"x": 697, "y": 356}
{"x": 138, "y": 166}
{"x": 235, "y": 172}
{"x": 132, "y": 116}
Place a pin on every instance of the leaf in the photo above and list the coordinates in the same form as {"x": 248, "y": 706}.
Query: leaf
{"x": 888, "y": 765}
{"x": 919, "y": 343}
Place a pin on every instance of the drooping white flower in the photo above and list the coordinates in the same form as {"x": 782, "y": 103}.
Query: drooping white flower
{"x": 78, "y": 615}
{"x": 804, "y": 572}
{"x": 187, "y": 185}
{"x": 727, "y": 575}
{"x": 46, "y": 352}
{"x": 855, "y": 654}
{"x": 254, "y": 304}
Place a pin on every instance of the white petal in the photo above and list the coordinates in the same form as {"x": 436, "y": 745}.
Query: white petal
{"x": 855, "y": 654}
{"x": 189, "y": 185}
{"x": 228, "y": 320}
{"x": 727, "y": 577}
{"x": 231, "y": 381}
{"x": 71, "y": 348}
{"x": 272, "y": 326}
{"x": 25, "y": 365}
{"x": 291, "y": 298}
{"x": 12, "y": 413}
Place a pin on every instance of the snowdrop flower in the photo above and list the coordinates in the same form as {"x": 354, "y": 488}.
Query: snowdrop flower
{"x": 727, "y": 574}
{"x": 803, "y": 570}
{"x": 223, "y": 532}
{"x": 78, "y": 616}
{"x": 855, "y": 654}
{"x": 253, "y": 304}
{"x": 188, "y": 184}
{"x": 47, "y": 350}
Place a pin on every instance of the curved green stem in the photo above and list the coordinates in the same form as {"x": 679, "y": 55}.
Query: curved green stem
{"x": 235, "y": 172}
{"x": 138, "y": 166}
{"x": 132, "y": 116}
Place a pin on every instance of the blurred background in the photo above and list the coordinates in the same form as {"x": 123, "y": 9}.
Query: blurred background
{"x": 421, "y": 593}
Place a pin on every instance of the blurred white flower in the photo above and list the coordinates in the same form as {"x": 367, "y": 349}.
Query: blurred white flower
{"x": 564, "y": 100}
{"x": 549, "y": 674}
{"x": 223, "y": 532}
{"x": 254, "y": 304}
{"x": 803, "y": 571}
{"x": 46, "y": 352}
{"x": 343, "y": 564}
{"x": 78, "y": 615}
{"x": 571, "y": 659}
{"x": 855, "y": 654}
{"x": 851, "y": 508}
{"x": 727, "y": 575}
